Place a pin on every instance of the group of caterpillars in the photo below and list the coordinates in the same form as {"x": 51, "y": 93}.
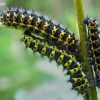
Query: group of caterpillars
{"x": 93, "y": 44}
{"x": 55, "y": 34}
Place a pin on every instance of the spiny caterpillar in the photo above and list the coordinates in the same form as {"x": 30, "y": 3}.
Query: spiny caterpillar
{"x": 69, "y": 62}
{"x": 93, "y": 42}
{"x": 38, "y": 23}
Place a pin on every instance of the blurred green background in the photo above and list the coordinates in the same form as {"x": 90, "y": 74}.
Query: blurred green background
{"x": 20, "y": 69}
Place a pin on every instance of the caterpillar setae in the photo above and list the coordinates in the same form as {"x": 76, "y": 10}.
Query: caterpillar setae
{"x": 35, "y": 22}
{"x": 93, "y": 41}
{"x": 69, "y": 62}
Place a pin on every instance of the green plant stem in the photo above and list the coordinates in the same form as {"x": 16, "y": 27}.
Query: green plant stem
{"x": 83, "y": 48}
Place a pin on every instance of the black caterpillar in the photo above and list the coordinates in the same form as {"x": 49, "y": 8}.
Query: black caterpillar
{"x": 69, "y": 62}
{"x": 38, "y": 23}
{"x": 93, "y": 42}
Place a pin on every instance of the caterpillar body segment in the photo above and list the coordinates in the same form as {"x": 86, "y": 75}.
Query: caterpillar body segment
{"x": 77, "y": 77}
{"x": 81, "y": 86}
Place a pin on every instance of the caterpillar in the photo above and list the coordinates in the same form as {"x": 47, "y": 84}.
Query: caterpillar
{"x": 69, "y": 62}
{"x": 93, "y": 41}
{"x": 34, "y": 22}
